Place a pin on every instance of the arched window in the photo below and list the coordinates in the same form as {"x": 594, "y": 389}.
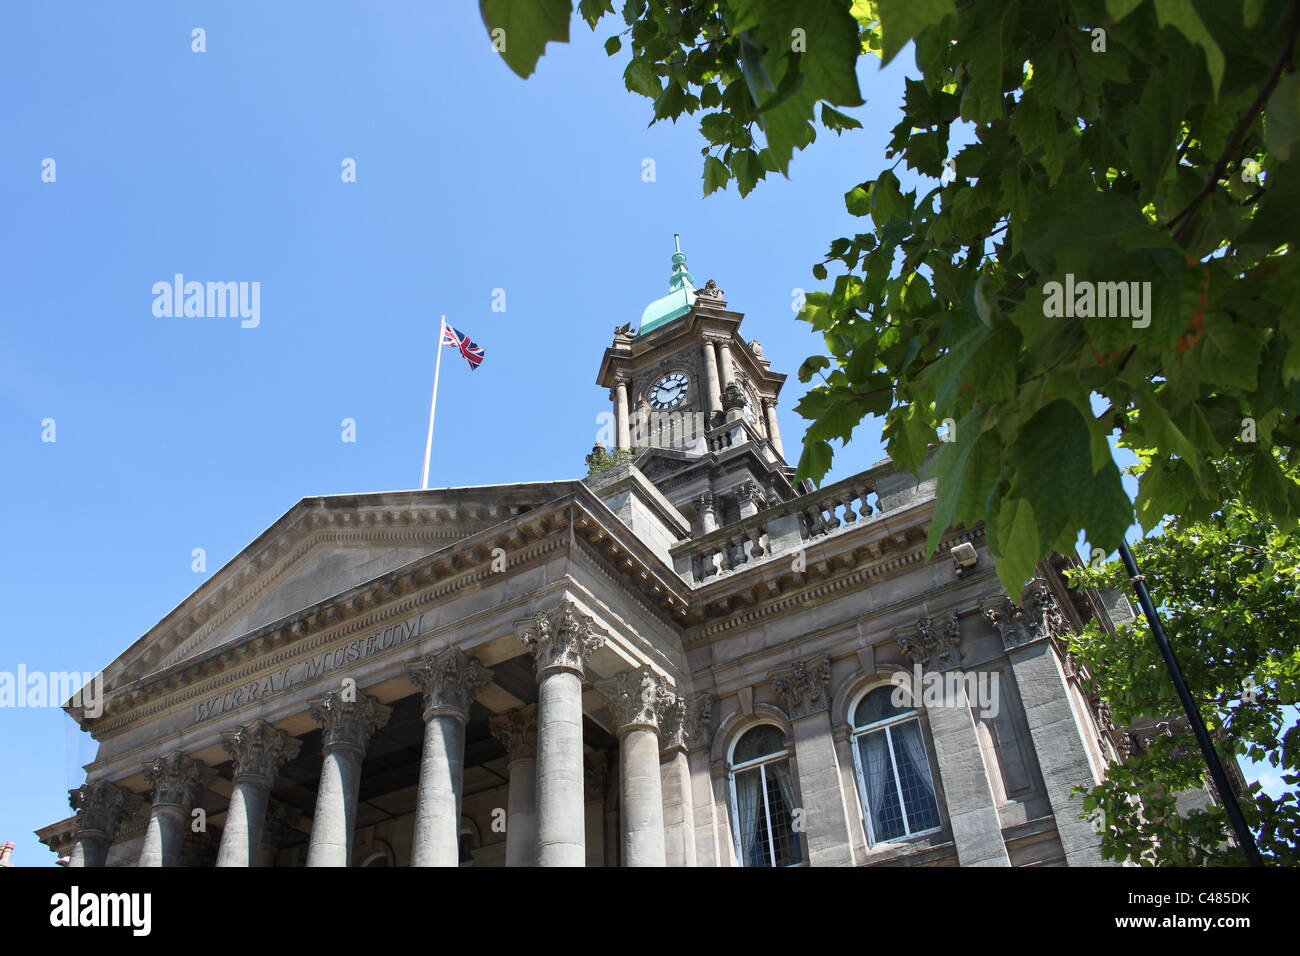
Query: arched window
{"x": 893, "y": 772}
{"x": 762, "y": 800}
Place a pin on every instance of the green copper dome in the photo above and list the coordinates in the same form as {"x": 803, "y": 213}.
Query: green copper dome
{"x": 677, "y": 302}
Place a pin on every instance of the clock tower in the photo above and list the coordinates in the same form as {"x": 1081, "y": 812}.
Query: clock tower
{"x": 696, "y": 405}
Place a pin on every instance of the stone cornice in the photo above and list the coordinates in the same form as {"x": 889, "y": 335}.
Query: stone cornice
{"x": 424, "y": 582}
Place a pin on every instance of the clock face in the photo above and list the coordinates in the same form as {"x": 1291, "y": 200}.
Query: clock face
{"x": 669, "y": 391}
{"x": 749, "y": 408}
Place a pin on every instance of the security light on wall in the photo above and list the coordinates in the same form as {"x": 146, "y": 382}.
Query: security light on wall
{"x": 964, "y": 557}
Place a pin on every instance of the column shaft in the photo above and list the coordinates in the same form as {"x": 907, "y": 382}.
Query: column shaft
{"x": 336, "y": 808}
{"x": 89, "y": 849}
{"x": 712, "y": 390}
{"x": 561, "y": 837}
{"x": 162, "y": 839}
{"x": 621, "y": 437}
{"x": 773, "y": 428}
{"x": 725, "y": 368}
{"x": 437, "y": 812}
{"x": 642, "y": 800}
{"x": 242, "y": 835}
{"x": 521, "y": 813}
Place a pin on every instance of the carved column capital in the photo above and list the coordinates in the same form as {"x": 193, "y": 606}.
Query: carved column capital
{"x": 933, "y": 643}
{"x": 259, "y": 750}
{"x": 1038, "y": 618}
{"x": 516, "y": 730}
{"x": 449, "y": 681}
{"x": 803, "y": 686}
{"x": 638, "y": 698}
{"x": 102, "y": 807}
{"x": 176, "y": 780}
{"x": 686, "y": 726}
{"x": 348, "y": 724}
{"x": 560, "y": 639}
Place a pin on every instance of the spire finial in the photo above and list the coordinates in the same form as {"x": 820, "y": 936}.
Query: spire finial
{"x": 681, "y": 277}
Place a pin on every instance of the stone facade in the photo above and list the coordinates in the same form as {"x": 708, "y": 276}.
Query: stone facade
{"x": 687, "y": 659}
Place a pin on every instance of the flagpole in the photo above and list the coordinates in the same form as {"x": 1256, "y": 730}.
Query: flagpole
{"x": 433, "y": 405}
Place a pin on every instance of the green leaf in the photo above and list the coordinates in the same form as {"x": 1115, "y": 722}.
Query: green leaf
{"x": 812, "y": 366}
{"x": 716, "y": 175}
{"x": 747, "y": 170}
{"x": 834, "y": 119}
{"x": 640, "y": 78}
{"x": 908, "y": 434}
{"x": 1282, "y": 117}
{"x": 886, "y": 201}
{"x": 967, "y": 469}
{"x": 1182, "y": 15}
{"x": 901, "y": 20}
{"x": 527, "y": 26}
{"x": 1015, "y": 542}
{"x": 1250, "y": 11}
{"x": 613, "y": 45}
{"x": 593, "y": 10}
{"x": 1052, "y": 457}
{"x": 857, "y": 201}
{"x": 815, "y": 461}
{"x": 1119, "y": 9}
{"x": 1153, "y": 141}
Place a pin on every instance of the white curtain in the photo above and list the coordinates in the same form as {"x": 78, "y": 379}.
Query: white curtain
{"x": 908, "y": 738}
{"x": 780, "y": 772}
{"x": 748, "y": 806}
{"x": 875, "y": 765}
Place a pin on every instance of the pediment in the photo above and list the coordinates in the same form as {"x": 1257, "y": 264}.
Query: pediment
{"x": 319, "y": 548}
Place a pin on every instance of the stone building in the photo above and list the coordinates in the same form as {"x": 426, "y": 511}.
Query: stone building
{"x": 686, "y": 659}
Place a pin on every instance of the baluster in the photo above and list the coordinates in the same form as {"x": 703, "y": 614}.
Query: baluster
{"x": 849, "y": 515}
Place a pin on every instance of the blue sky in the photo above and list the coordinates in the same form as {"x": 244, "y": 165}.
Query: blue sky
{"x": 181, "y": 433}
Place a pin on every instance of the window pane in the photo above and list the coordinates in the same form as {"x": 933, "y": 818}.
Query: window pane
{"x": 780, "y": 802}
{"x": 877, "y": 706}
{"x": 914, "y": 777}
{"x": 882, "y": 795}
{"x": 759, "y": 742}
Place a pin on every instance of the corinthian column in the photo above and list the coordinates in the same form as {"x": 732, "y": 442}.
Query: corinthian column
{"x": 176, "y": 781}
{"x": 639, "y": 701}
{"x": 560, "y": 649}
{"x": 449, "y": 681}
{"x": 348, "y": 727}
{"x": 712, "y": 390}
{"x": 622, "y": 439}
{"x": 101, "y": 808}
{"x": 258, "y": 750}
{"x": 773, "y": 426}
{"x": 516, "y": 730}
{"x": 725, "y": 367}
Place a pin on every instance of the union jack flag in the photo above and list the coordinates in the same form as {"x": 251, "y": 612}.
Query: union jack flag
{"x": 473, "y": 353}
